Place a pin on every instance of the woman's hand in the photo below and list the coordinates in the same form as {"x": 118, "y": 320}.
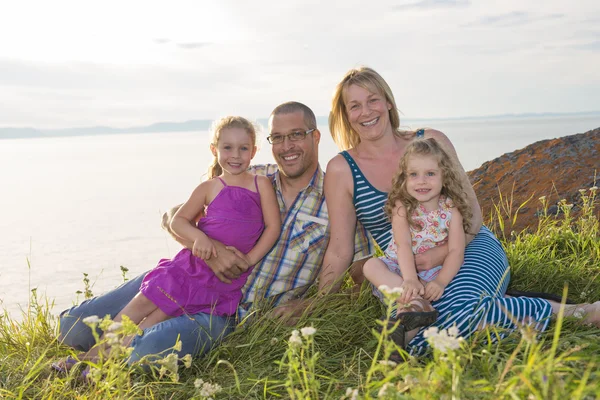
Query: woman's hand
{"x": 434, "y": 290}
{"x": 204, "y": 248}
{"x": 411, "y": 288}
{"x": 431, "y": 258}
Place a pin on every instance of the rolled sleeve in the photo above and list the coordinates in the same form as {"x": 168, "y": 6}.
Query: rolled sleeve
{"x": 364, "y": 245}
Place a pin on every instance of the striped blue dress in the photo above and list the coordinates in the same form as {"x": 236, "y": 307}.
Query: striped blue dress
{"x": 475, "y": 297}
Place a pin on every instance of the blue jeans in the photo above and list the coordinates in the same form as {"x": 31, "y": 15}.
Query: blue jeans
{"x": 198, "y": 333}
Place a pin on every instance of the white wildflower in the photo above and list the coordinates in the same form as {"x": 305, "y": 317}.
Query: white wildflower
{"x": 453, "y": 331}
{"x": 389, "y": 363}
{"x": 542, "y": 199}
{"x": 383, "y": 391}
{"x": 170, "y": 362}
{"x": 385, "y": 289}
{"x": 112, "y": 338}
{"x": 27, "y": 344}
{"x": 187, "y": 360}
{"x": 430, "y": 332}
{"x": 352, "y": 394}
{"x": 177, "y": 346}
{"x": 92, "y": 319}
{"x": 198, "y": 383}
{"x": 442, "y": 340}
{"x": 274, "y": 341}
{"x": 582, "y": 191}
{"x": 593, "y": 189}
{"x": 209, "y": 389}
{"x": 397, "y": 290}
{"x": 115, "y": 326}
{"x": 295, "y": 341}
{"x": 410, "y": 380}
{"x": 308, "y": 331}
{"x": 579, "y": 313}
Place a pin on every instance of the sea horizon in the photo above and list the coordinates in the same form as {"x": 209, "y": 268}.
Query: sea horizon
{"x": 26, "y": 132}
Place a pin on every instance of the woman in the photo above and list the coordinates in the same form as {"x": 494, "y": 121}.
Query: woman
{"x": 364, "y": 123}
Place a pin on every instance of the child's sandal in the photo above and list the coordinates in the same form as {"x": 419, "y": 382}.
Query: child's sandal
{"x": 64, "y": 366}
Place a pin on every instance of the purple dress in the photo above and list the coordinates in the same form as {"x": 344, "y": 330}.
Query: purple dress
{"x": 186, "y": 284}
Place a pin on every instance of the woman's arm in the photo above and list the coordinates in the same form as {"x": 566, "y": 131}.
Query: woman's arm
{"x": 272, "y": 218}
{"x": 342, "y": 224}
{"x": 477, "y": 220}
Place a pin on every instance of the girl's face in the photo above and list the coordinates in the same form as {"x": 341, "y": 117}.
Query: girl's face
{"x": 234, "y": 150}
{"x": 424, "y": 180}
{"x": 367, "y": 112}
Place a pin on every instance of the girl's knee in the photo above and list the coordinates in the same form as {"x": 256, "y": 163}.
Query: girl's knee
{"x": 371, "y": 267}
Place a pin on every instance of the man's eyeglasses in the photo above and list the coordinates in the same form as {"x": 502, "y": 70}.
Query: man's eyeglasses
{"x": 294, "y": 136}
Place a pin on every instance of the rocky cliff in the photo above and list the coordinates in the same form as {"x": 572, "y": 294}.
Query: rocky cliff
{"x": 555, "y": 168}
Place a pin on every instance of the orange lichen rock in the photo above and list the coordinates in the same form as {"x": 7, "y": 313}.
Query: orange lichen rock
{"x": 555, "y": 168}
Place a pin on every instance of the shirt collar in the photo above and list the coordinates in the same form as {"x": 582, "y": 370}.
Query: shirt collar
{"x": 316, "y": 182}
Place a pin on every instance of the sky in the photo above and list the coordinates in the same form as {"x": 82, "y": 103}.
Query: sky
{"x": 129, "y": 63}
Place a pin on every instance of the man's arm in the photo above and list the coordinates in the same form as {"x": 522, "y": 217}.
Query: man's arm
{"x": 226, "y": 266}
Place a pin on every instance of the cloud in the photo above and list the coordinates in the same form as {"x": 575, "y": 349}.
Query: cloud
{"x": 593, "y": 46}
{"x": 193, "y": 45}
{"x": 429, "y": 4}
{"x": 511, "y": 19}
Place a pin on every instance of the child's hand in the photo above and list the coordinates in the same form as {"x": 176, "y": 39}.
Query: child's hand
{"x": 434, "y": 290}
{"x": 204, "y": 248}
{"x": 411, "y": 288}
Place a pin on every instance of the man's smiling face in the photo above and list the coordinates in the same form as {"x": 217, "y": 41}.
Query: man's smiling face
{"x": 294, "y": 158}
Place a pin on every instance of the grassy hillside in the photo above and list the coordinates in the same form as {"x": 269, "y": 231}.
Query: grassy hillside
{"x": 341, "y": 357}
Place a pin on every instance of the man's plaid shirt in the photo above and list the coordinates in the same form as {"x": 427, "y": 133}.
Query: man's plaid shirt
{"x": 293, "y": 264}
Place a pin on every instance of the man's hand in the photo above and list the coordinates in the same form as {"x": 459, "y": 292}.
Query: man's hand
{"x": 431, "y": 258}
{"x": 291, "y": 311}
{"x": 228, "y": 265}
{"x": 434, "y": 290}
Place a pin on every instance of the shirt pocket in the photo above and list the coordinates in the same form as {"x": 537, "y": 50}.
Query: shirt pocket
{"x": 308, "y": 236}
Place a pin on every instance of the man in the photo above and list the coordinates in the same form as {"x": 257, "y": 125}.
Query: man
{"x": 279, "y": 280}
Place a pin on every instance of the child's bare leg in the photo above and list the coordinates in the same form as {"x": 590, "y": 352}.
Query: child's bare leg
{"x": 139, "y": 307}
{"x": 154, "y": 318}
{"x": 378, "y": 274}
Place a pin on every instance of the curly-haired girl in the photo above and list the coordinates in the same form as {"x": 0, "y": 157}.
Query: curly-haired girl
{"x": 428, "y": 206}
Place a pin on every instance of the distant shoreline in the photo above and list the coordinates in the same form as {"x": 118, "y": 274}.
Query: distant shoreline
{"x": 204, "y": 125}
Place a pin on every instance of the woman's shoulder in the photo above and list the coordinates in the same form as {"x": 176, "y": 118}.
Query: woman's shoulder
{"x": 338, "y": 165}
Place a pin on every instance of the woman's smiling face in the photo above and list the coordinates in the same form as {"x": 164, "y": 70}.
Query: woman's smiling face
{"x": 367, "y": 112}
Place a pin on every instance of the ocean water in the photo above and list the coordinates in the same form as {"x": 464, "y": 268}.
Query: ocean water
{"x": 90, "y": 204}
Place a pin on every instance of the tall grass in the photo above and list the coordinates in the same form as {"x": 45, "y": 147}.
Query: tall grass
{"x": 344, "y": 356}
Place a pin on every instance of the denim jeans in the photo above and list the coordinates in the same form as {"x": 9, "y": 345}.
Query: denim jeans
{"x": 198, "y": 333}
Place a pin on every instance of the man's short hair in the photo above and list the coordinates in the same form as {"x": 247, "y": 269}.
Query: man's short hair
{"x": 293, "y": 106}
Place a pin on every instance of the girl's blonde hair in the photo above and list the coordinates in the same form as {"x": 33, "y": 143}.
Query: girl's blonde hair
{"x": 341, "y": 131}
{"x": 225, "y": 123}
{"x": 452, "y": 184}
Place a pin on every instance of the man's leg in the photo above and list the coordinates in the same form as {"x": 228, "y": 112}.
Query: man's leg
{"x": 73, "y": 332}
{"x": 198, "y": 334}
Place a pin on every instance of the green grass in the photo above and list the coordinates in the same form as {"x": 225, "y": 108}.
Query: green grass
{"x": 258, "y": 362}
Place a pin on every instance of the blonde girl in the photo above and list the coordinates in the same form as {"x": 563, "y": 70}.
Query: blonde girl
{"x": 428, "y": 207}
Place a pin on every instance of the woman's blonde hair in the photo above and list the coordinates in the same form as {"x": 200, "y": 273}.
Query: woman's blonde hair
{"x": 452, "y": 184}
{"x": 225, "y": 123}
{"x": 341, "y": 131}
